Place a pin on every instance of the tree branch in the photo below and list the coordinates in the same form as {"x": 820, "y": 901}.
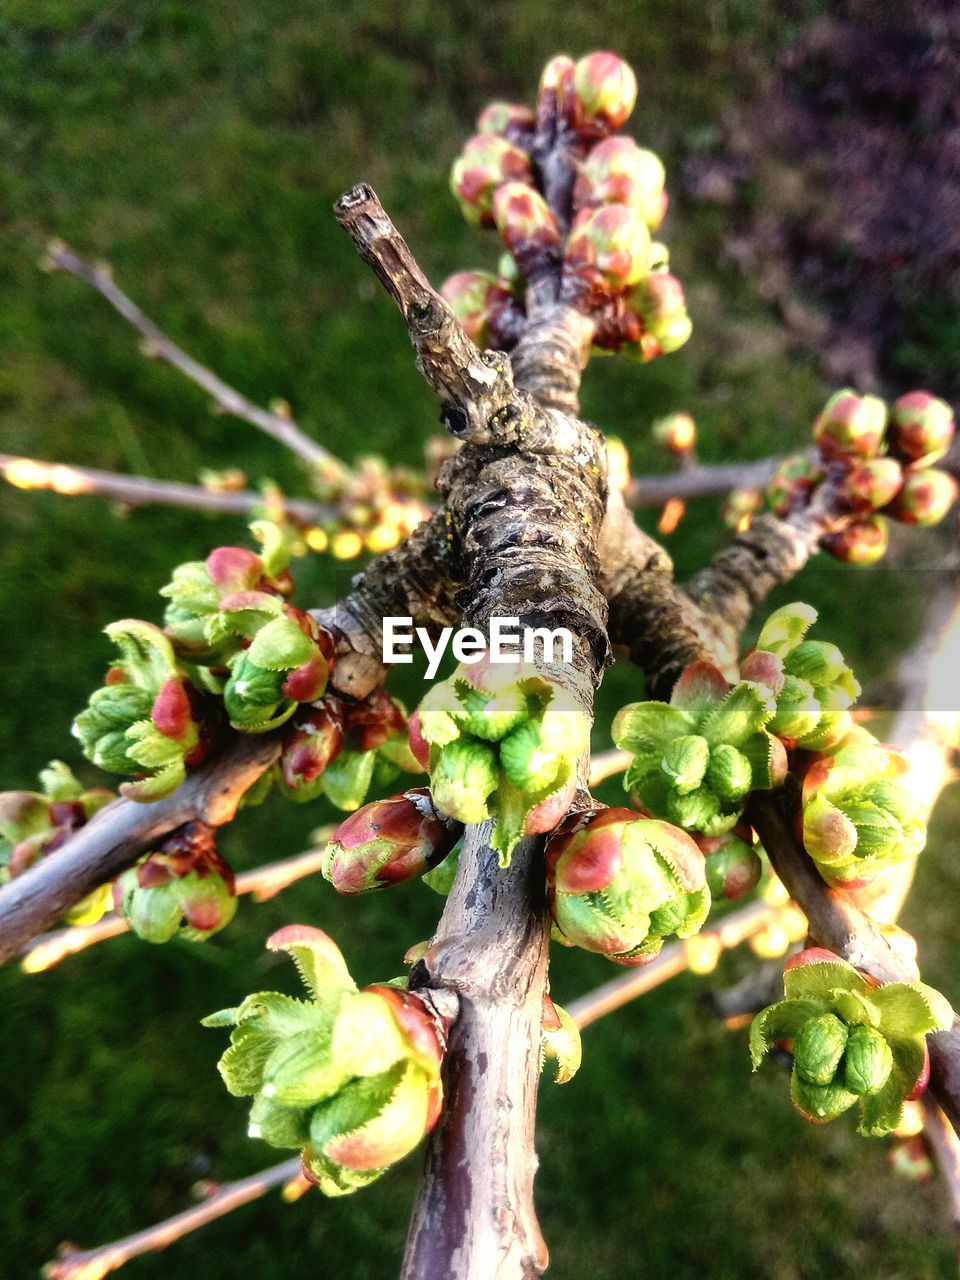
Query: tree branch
{"x": 117, "y": 835}
{"x": 700, "y": 481}
{"x": 94, "y": 1264}
{"x": 60, "y": 257}
{"x": 140, "y": 491}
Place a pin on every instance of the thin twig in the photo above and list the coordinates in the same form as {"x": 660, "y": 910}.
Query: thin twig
{"x": 700, "y": 481}
{"x": 140, "y": 491}
{"x": 60, "y": 257}
{"x": 945, "y": 1146}
{"x": 93, "y": 1264}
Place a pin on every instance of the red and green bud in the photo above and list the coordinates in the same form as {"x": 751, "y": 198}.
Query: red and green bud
{"x": 791, "y": 485}
{"x": 184, "y": 888}
{"x": 309, "y": 746}
{"x": 618, "y": 884}
{"x": 605, "y": 91}
{"x": 854, "y": 1042}
{"x": 921, "y": 428}
{"x": 486, "y": 162}
{"x": 527, "y": 225}
{"x": 871, "y": 484}
{"x": 617, "y": 171}
{"x": 857, "y": 820}
{"x": 555, "y": 96}
{"x": 511, "y": 120}
{"x": 860, "y": 542}
{"x": 389, "y": 841}
{"x": 34, "y": 825}
{"x": 850, "y": 426}
{"x": 287, "y": 662}
{"x": 659, "y": 302}
{"x": 350, "y": 1077}
{"x": 732, "y": 864}
{"x": 740, "y": 506}
{"x": 816, "y": 686}
{"x": 143, "y": 721}
{"x": 676, "y": 432}
{"x": 197, "y": 589}
{"x": 925, "y": 498}
{"x": 608, "y": 248}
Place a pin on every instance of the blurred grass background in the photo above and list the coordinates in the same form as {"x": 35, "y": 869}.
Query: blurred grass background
{"x": 199, "y": 147}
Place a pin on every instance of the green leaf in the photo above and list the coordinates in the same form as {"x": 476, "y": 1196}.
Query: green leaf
{"x": 562, "y": 1044}
{"x": 278, "y": 1125}
{"x": 321, "y": 965}
{"x": 346, "y": 779}
{"x": 880, "y": 1112}
{"x": 786, "y": 627}
{"x": 856, "y": 1009}
{"x": 909, "y": 1009}
{"x": 302, "y": 1070}
{"x": 280, "y": 646}
{"x": 146, "y": 654}
{"x": 818, "y": 981}
{"x": 780, "y": 1021}
{"x": 744, "y": 711}
{"x": 241, "y": 1066}
{"x": 643, "y": 727}
{"x": 820, "y": 1103}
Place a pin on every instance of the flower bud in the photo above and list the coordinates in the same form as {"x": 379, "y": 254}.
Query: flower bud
{"x": 676, "y": 432}
{"x": 925, "y": 498}
{"x": 850, "y": 425}
{"x": 867, "y": 1062}
{"x": 818, "y": 1048}
{"x": 309, "y": 745}
{"x": 608, "y": 247}
{"x": 861, "y": 542}
{"x": 618, "y": 884}
{"x": 560, "y": 1041}
{"x": 733, "y": 866}
{"x": 388, "y": 841}
{"x": 617, "y": 171}
{"x": 740, "y": 507}
{"x": 856, "y": 819}
{"x": 528, "y": 226}
{"x": 659, "y": 302}
{"x": 511, "y": 120}
{"x": 921, "y": 428}
{"x": 605, "y": 90}
{"x": 696, "y": 759}
{"x": 855, "y": 1041}
{"x": 185, "y": 887}
{"x": 350, "y": 1077}
{"x": 790, "y": 486}
{"x": 464, "y": 779}
{"x": 485, "y": 163}
{"x": 467, "y": 293}
{"x": 555, "y": 95}
{"x": 287, "y": 662}
{"x": 871, "y": 484}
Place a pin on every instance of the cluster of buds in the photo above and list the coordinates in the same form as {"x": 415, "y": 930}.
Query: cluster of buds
{"x": 813, "y": 686}
{"x": 881, "y": 466}
{"x": 698, "y": 757}
{"x": 229, "y": 616}
{"x": 351, "y": 1078}
{"x": 285, "y": 659}
{"x": 340, "y": 746}
{"x": 501, "y": 740}
{"x": 619, "y": 885}
{"x": 610, "y": 267}
{"x": 34, "y": 824}
{"x": 377, "y": 507}
{"x": 853, "y": 1041}
{"x": 185, "y": 887}
{"x": 147, "y": 719}
{"x": 388, "y": 841}
{"x": 857, "y": 820}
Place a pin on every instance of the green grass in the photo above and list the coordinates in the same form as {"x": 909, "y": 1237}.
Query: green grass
{"x": 199, "y": 147}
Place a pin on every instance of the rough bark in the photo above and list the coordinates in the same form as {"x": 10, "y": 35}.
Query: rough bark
{"x": 525, "y": 499}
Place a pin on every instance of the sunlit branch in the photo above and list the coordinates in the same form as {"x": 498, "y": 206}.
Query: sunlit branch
{"x": 141, "y": 491}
